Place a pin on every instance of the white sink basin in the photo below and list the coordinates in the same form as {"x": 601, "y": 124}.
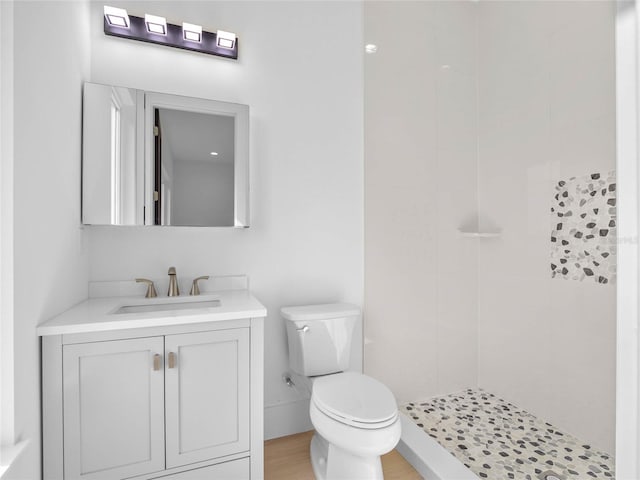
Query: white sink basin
{"x": 167, "y": 307}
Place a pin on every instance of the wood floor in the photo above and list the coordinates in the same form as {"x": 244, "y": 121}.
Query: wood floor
{"x": 288, "y": 458}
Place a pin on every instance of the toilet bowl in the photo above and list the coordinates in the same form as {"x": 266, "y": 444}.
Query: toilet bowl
{"x": 356, "y": 421}
{"x": 355, "y": 416}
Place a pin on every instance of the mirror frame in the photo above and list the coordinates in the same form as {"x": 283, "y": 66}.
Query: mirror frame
{"x": 239, "y": 112}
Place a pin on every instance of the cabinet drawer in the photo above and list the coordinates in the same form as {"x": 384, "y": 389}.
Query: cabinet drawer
{"x": 233, "y": 470}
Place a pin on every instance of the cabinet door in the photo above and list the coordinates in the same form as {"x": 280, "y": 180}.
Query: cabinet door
{"x": 113, "y": 408}
{"x": 206, "y": 395}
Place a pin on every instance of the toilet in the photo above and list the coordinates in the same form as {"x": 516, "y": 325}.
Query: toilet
{"x": 355, "y": 416}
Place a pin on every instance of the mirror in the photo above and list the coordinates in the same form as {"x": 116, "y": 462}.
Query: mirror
{"x": 158, "y": 159}
{"x": 112, "y": 190}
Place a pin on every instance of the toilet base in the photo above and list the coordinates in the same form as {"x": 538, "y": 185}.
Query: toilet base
{"x": 319, "y": 451}
{"x": 333, "y": 463}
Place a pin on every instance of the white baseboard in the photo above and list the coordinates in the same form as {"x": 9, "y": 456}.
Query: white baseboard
{"x": 286, "y": 419}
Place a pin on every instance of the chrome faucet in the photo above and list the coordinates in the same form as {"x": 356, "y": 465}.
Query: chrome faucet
{"x": 174, "y": 291}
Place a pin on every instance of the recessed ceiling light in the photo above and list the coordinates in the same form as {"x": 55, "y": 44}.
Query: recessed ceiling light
{"x": 156, "y": 24}
{"x": 214, "y": 153}
{"x": 116, "y": 17}
{"x": 370, "y": 48}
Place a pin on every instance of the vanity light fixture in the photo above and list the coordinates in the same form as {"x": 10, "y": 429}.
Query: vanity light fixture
{"x": 116, "y": 17}
{"x": 226, "y": 39}
{"x": 155, "y": 24}
{"x": 214, "y": 154}
{"x": 191, "y": 32}
{"x": 155, "y": 29}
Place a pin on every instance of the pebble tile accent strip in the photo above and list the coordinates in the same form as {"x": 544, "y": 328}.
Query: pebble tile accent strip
{"x": 497, "y": 440}
{"x": 583, "y": 232}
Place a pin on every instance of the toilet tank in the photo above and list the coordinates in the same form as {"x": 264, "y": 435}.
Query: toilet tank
{"x": 320, "y": 337}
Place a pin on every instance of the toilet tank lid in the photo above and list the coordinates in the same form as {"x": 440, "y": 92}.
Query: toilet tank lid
{"x": 320, "y": 312}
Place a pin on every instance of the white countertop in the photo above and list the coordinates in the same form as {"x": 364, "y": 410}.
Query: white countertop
{"x": 97, "y": 314}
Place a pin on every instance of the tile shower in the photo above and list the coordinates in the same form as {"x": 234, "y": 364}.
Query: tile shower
{"x": 496, "y": 439}
{"x": 506, "y": 124}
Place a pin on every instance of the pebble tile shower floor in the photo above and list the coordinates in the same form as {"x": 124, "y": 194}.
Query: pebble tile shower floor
{"x": 497, "y": 440}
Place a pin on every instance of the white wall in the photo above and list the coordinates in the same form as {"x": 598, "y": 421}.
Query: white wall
{"x": 420, "y": 188}
{"x": 50, "y": 254}
{"x": 300, "y": 71}
{"x": 547, "y": 113}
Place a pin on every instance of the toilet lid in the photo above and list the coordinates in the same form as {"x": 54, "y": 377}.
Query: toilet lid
{"x": 355, "y": 399}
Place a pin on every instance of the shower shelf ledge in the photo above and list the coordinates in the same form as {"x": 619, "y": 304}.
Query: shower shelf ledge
{"x": 467, "y": 234}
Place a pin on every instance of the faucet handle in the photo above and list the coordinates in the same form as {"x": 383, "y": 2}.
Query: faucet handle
{"x": 195, "y": 289}
{"x": 151, "y": 289}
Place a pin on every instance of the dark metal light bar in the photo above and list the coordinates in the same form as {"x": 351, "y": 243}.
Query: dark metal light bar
{"x": 174, "y": 38}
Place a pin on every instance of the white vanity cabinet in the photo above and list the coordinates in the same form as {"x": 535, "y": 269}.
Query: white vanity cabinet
{"x": 178, "y": 401}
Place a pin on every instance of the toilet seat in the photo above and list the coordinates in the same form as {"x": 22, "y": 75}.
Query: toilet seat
{"x": 355, "y": 399}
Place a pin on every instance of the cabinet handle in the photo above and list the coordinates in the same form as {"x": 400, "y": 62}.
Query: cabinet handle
{"x": 172, "y": 360}
{"x": 156, "y": 361}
